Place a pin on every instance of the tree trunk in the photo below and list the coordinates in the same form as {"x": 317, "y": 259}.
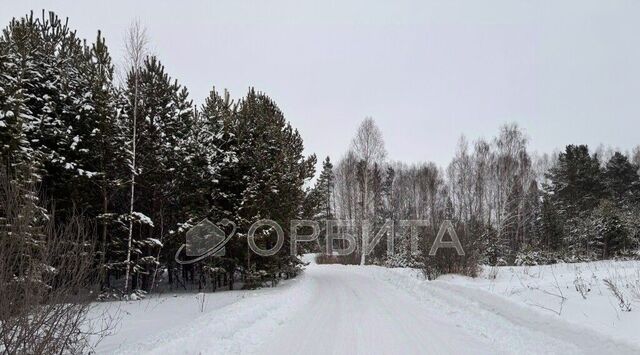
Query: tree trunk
{"x": 133, "y": 180}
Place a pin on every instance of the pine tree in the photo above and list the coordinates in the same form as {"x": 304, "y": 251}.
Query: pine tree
{"x": 18, "y": 66}
{"x": 266, "y": 181}
{"x": 105, "y": 141}
{"x": 576, "y": 180}
{"x": 617, "y": 215}
{"x": 549, "y": 227}
{"x": 164, "y": 121}
{"x": 324, "y": 188}
{"x": 319, "y": 199}
{"x": 621, "y": 180}
{"x": 576, "y": 187}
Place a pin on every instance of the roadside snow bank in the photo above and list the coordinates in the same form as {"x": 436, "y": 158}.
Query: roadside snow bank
{"x": 577, "y": 293}
{"x": 232, "y": 322}
{"x": 516, "y": 306}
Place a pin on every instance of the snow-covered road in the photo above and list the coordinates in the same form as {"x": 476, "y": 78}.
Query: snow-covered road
{"x": 352, "y": 313}
{"x": 335, "y": 309}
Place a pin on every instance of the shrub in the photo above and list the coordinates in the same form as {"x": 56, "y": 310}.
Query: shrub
{"x": 46, "y": 275}
{"x": 447, "y": 261}
{"x": 351, "y": 259}
{"x": 623, "y": 302}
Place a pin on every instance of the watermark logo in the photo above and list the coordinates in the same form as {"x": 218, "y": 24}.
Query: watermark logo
{"x": 205, "y": 239}
{"x": 208, "y": 239}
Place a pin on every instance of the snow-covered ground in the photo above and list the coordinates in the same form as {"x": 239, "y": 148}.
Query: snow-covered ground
{"x": 335, "y": 309}
{"x": 577, "y": 293}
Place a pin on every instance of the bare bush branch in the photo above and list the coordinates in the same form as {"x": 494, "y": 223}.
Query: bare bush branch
{"x": 46, "y": 275}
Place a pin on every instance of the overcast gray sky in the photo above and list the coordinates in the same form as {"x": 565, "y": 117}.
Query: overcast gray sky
{"x": 426, "y": 71}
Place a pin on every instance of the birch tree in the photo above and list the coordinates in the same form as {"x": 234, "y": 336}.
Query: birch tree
{"x": 368, "y": 147}
{"x": 136, "y": 50}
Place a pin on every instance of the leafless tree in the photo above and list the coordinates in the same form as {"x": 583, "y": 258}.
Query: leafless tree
{"x": 635, "y": 157}
{"x": 346, "y": 189}
{"x": 136, "y": 50}
{"x": 482, "y": 169}
{"x": 368, "y": 147}
{"x": 489, "y": 189}
{"x": 512, "y": 177}
{"x": 462, "y": 181}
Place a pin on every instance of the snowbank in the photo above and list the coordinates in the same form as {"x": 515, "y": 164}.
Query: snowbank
{"x": 538, "y": 296}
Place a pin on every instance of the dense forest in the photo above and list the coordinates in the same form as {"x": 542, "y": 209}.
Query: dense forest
{"x": 133, "y": 163}
{"x": 139, "y": 160}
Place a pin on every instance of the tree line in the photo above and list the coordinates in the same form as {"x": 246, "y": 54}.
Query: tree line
{"x": 140, "y": 161}
{"x": 142, "y": 164}
{"x": 509, "y": 206}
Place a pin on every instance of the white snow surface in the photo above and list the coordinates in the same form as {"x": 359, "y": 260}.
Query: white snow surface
{"x": 335, "y": 309}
